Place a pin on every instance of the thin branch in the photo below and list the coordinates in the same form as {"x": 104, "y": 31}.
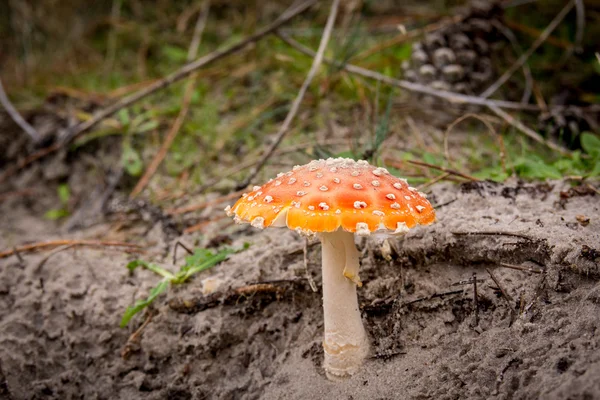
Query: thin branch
{"x": 406, "y": 36}
{"x": 246, "y": 164}
{"x": 580, "y": 14}
{"x": 158, "y": 85}
{"x": 134, "y": 340}
{"x": 49, "y": 255}
{"x": 15, "y": 116}
{"x": 475, "y": 300}
{"x": 111, "y": 51}
{"x": 447, "y": 170}
{"x": 525, "y": 56}
{"x": 492, "y": 233}
{"x": 18, "y": 193}
{"x": 204, "y": 204}
{"x": 505, "y": 294}
{"x": 185, "y": 106}
{"x": 527, "y": 131}
{"x": 451, "y": 97}
{"x": 438, "y": 178}
{"x": 200, "y": 225}
{"x": 396, "y": 164}
{"x": 517, "y": 48}
{"x": 187, "y": 70}
{"x": 55, "y": 243}
{"x": 520, "y": 268}
{"x": 285, "y": 126}
{"x": 483, "y": 119}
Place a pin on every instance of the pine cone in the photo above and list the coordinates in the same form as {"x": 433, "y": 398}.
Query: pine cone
{"x": 458, "y": 57}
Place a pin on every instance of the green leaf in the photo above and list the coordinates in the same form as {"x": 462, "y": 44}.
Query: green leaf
{"x": 403, "y": 52}
{"x": 206, "y": 264}
{"x": 157, "y": 269}
{"x": 131, "y": 161}
{"x": 123, "y": 116}
{"x": 146, "y": 126}
{"x": 98, "y": 134}
{"x": 55, "y": 214}
{"x": 431, "y": 158}
{"x": 199, "y": 256}
{"x": 536, "y": 169}
{"x": 174, "y": 54}
{"x": 201, "y": 260}
{"x": 591, "y": 144}
{"x": 141, "y": 304}
{"x": 64, "y": 193}
{"x": 596, "y": 170}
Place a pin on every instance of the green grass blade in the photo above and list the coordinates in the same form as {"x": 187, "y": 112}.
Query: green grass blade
{"x": 157, "y": 269}
{"x": 141, "y": 304}
{"x": 208, "y": 263}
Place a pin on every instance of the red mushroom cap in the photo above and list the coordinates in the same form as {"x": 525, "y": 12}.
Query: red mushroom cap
{"x": 325, "y": 195}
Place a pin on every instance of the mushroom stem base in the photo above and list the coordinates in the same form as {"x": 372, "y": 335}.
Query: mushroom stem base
{"x": 345, "y": 342}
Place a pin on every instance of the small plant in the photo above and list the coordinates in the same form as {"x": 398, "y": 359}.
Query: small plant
{"x": 200, "y": 260}
{"x": 64, "y": 194}
{"x": 130, "y": 157}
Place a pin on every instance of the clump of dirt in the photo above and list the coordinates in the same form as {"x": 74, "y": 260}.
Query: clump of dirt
{"x": 528, "y": 333}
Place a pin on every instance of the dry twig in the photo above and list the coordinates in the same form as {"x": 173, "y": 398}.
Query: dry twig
{"x": 285, "y": 126}
{"x": 134, "y": 340}
{"x": 49, "y": 255}
{"x": 520, "y": 268}
{"x": 187, "y": 70}
{"x": 475, "y": 299}
{"x": 492, "y": 233}
{"x": 451, "y": 97}
{"x": 18, "y": 193}
{"x": 433, "y": 181}
{"x": 525, "y": 56}
{"x": 580, "y": 12}
{"x": 485, "y": 120}
{"x": 15, "y": 116}
{"x": 517, "y": 47}
{"x": 185, "y": 106}
{"x": 55, "y": 243}
{"x": 200, "y": 225}
{"x": 410, "y": 35}
{"x": 160, "y": 84}
{"x": 398, "y": 164}
{"x": 505, "y": 294}
{"x": 204, "y": 204}
{"x": 527, "y": 131}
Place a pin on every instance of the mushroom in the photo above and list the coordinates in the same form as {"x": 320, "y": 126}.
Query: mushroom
{"x": 335, "y": 199}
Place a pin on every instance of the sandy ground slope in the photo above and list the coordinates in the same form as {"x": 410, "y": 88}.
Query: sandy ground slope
{"x": 60, "y": 339}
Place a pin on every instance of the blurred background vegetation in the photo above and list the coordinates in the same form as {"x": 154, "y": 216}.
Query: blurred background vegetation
{"x": 62, "y": 60}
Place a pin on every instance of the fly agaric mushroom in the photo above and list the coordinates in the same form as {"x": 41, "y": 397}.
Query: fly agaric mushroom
{"x": 334, "y": 199}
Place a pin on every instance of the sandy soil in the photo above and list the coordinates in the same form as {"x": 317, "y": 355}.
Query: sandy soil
{"x": 60, "y": 339}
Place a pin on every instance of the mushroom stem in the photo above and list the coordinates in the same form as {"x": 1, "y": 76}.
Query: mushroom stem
{"x": 345, "y": 342}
